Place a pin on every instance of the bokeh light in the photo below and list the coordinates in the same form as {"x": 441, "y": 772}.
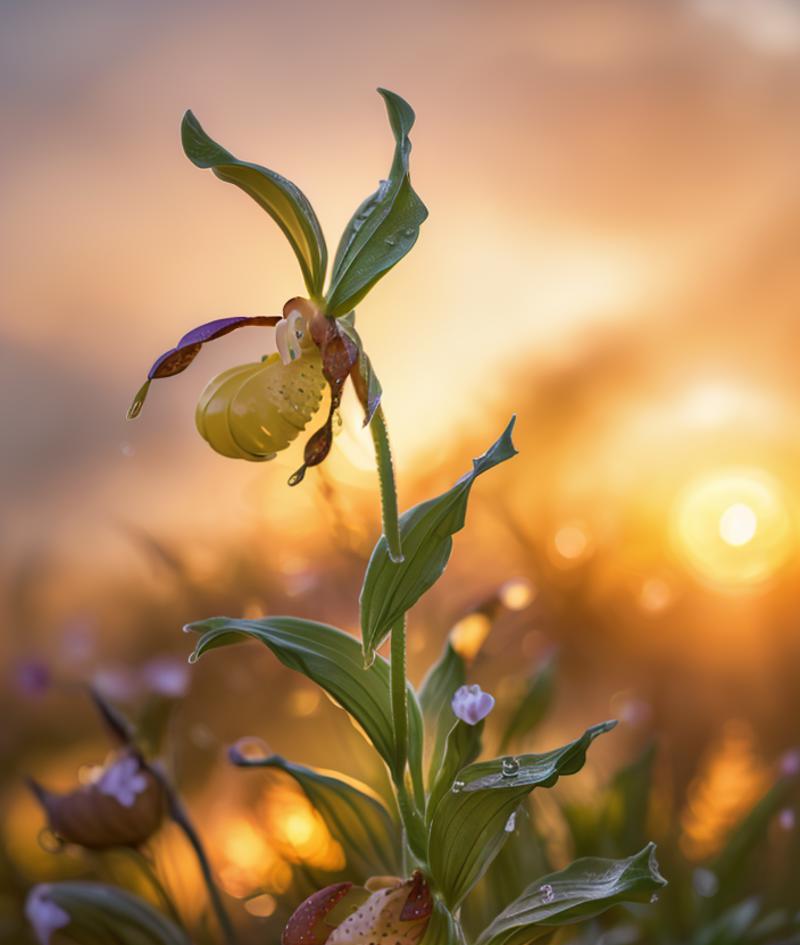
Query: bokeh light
{"x": 734, "y": 528}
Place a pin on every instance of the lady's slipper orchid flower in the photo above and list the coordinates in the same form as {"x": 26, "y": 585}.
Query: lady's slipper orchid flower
{"x": 253, "y": 411}
{"x": 471, "y": 704}
{"x": 122, "y": 807}
{"x": 343, "y": 914}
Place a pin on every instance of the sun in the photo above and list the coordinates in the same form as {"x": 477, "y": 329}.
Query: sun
{"x": 733, "y": 528}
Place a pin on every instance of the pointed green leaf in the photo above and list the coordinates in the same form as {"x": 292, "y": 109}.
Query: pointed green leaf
{"x": 391, "y": 588}
{"x": 462, "y": 747}
{"x": 534, "y": 705}
{"x": 435, "y": 696}
{"x": 584, "y": 889}
{"x": 355, "y": 817}
{"x": 523, "y": 855}
{"x": 332, "y": 659}
{"x": 384, "y": 227}
{"x": 473, "y": 820}
{"x": 284, "y": 202}
{"x": 98, "y": 914}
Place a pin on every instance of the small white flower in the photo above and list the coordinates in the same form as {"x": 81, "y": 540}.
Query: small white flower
{"x": 123, "y": 781}
{"x": 471, "y": 704}
{"x": 43, "y": 914}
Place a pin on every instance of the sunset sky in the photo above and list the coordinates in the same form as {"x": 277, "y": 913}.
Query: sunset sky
{"x": 617, "y": 174}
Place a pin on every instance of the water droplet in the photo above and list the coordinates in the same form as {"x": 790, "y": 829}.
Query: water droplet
{"x": 546, "y": 892}
{"x": 390, "y": 241}
{"x": 654, "y": 899}
{"x": 457, "y": 787}
{"x": 409, "y": 231}
{"x": 248, "y": 750}
{"x": 511, "y": 823}
{"x": 509, "y": 767}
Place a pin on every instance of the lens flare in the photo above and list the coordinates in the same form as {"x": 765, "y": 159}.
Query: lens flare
{"x": 733, "y": 528}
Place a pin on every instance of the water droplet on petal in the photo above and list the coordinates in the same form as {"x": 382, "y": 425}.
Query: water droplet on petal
{"x": 457, "y": 787}
{"x": 509, "y": 767}
{"x": 546, "y": 892}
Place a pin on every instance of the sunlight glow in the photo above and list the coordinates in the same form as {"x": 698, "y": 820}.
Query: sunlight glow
{"x": 738, "y": 524}
{"x": 733, "y": 527}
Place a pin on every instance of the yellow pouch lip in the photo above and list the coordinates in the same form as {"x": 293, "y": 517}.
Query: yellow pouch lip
{"x": 211, "y": 416}
{"x": 287, "y": 421}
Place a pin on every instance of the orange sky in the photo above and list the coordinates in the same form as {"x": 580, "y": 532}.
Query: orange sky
{"x": 590, "y": 168}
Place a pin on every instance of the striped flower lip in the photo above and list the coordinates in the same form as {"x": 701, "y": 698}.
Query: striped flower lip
{"x": 471, "y": 704}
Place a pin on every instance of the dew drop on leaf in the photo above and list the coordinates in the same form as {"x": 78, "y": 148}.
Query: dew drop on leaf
{"x": 511, "y": 823}
{"x": 654, "y": 898}
{"x": 249, "y": 748}
{"x": 509, "y": 767}
{"x": 457, "y": 787}
{"x": 546, "y": 892}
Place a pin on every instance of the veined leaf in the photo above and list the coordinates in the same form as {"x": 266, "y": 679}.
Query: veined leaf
{"x": 391, "y": 588}
{"x": 470, "y": 825}
{"x": 584, "y": 889}
{"x": 356, "y": 819}
{"x": 332, "y": 659}
{"x": 462, "y": 747}
{"x": 435, "y": 696}
{"x": 96, "y": 914}
{"x": 523, "y": 855}
{"x": 533, "y": 706}
{"x": 384, "y": 227}
{"x": 284, "y": 202}
{"x": 443, "y": 928}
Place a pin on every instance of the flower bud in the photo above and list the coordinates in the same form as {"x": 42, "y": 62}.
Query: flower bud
{"x": 397, "y": 912}
{"x": 123, "y": 807}
{"x": 471, "y": 704}
{"x": 73, "y": 913}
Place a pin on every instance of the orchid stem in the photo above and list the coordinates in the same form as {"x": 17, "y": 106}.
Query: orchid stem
{"x": 383, "y": 460}
{"x": 399, "y": 696}
{"x": 181, "y": 818}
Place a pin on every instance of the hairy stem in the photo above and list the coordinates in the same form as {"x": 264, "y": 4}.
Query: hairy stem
{"x": 383, "y": 460}
{"x": 399, "y": 697}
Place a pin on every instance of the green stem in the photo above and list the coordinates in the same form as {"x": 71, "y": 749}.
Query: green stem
{"x": 399, "y": 697}
{"x": 383, "y": 460}
{"x": 181, "y": 818}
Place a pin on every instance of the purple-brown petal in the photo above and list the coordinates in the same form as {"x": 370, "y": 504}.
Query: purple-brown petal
{"x": 177, "y": 359}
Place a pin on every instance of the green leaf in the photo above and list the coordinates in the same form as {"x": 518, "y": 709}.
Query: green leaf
{"x": 584, "y": 889}
{"x": 355, "y": 817}
{"x": 443, "y": 927}
{"x": 390, "y": 588}
{"x": 731, "y": 864}
{"x": 472, "y": 821}
{"x": 100, "y": 914}
{"x": 533, "y": 706}
{"x": 384, "y": 227}
{"x": 284, "y": 202}
{"x": 523, "y": 855}
{"x": 332, "y": 659}
{"x": 462, "y": 747}
{"x": 372, "y": 389}
{"x": 435, "y": 696}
